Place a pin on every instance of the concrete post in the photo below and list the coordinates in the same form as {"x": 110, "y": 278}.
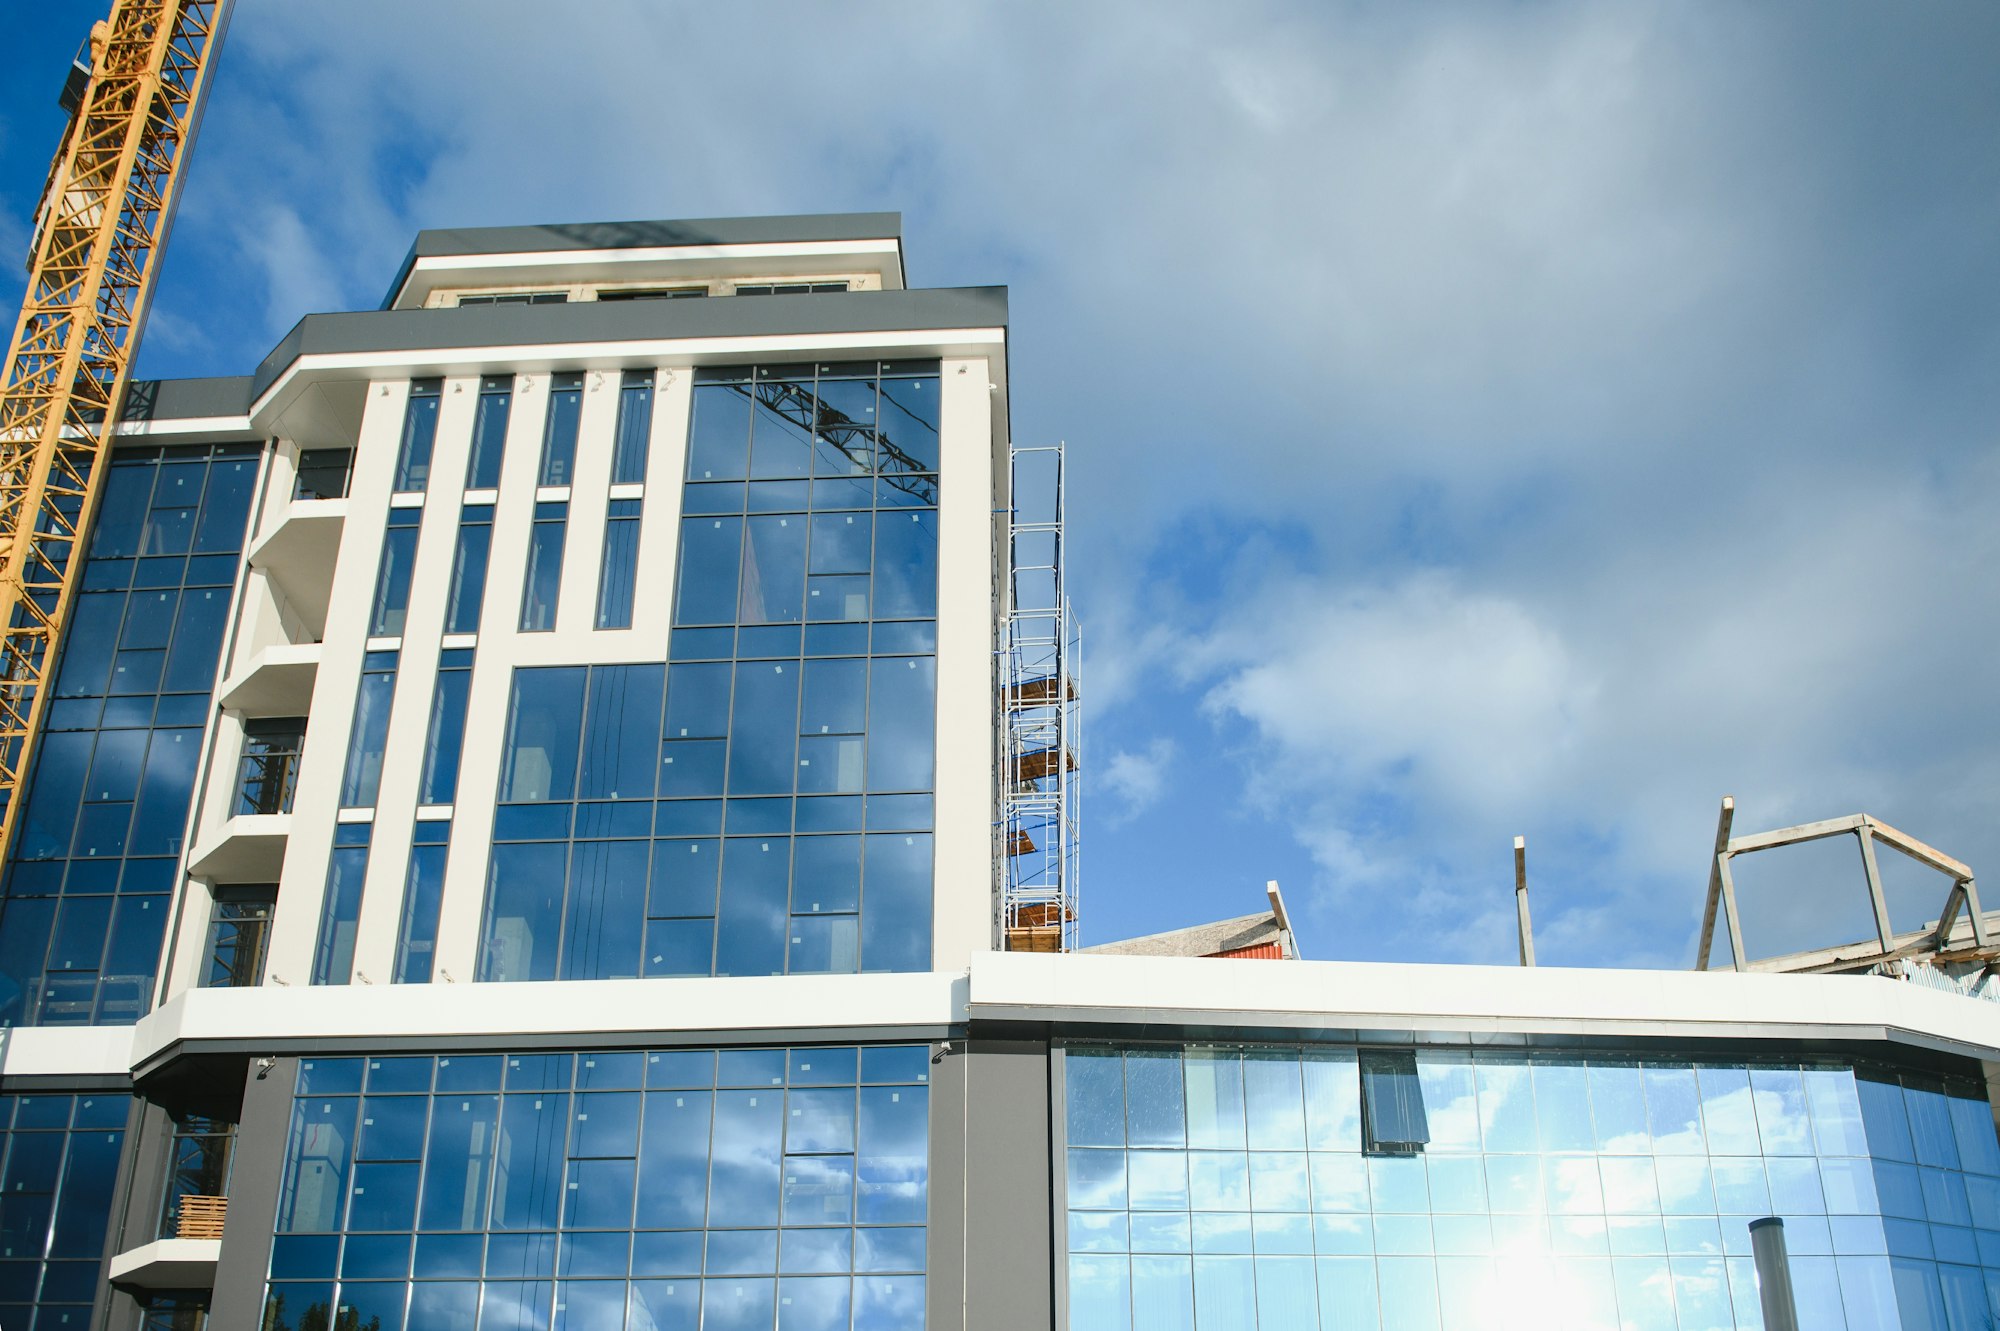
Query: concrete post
{"x": 1774, "y": 1274}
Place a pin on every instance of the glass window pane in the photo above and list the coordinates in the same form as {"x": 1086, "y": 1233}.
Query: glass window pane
{"x": 1673, "y": 1110}
{"x": 544, "y": 577}
{"x": 392, "y": 581}
{"x": 413, "y": 458}
{"x": 774, "y": 571}
{"x": 1506, "y": 1105}
{"x": 446, "y": 740}
{"x": 896, "y": 902}
{"x": 333, "y": 959}
{"x": 1214, "y": 1079}
{"x": 523, "y": 912}
{"x": 559, "y": 433}
{"x": 905, "y": 584}
{"x": 468, "y": 570}
{"x": 1094, "y": 1092}
{"x": 635, "y": 428}
{"x": 528, "y": 1167}
{"x": 1562, "y": 1107}
{"x": 1727, "y": 1110}
{"x": 618, "y": 575}
{"x": 1274, "y": 1100}
{"x": 369, "y": 738}
{"x": 719, "y": 433}
{"x": 710, "y": 563}
{"x": 1154, "y": 1098}
{"x": 544, "y": 728}
{"x": 489, "y": 434}
{"x": 745, "y": 1174}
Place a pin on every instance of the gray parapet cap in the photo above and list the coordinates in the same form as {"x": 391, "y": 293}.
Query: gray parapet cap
{"x": 186, "y": 399}
{"x": 591, "y": 322}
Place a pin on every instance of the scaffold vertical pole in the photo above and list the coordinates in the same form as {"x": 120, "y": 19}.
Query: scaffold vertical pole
{"x": 1041, "y": 655}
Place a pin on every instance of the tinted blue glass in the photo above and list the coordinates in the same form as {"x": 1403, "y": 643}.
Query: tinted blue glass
{"x": 896, "y": 903}
{"x": 420, "y": 418}
{"x": 622, "y": 715}
{"x": 95, "y": 799}
{"x": 524, "y": 912}
{"x": 719, "y": 433}
{"x": 559, "y": 432}
{"x": 607, "y": 890}
{"x": 635, "y": 428}
{"x": 544, "y": 576}
{"x": 333, "y": 958}
{"x": 545, "y": 723}
{"x": 446, "y": 740}
{"x": 489, "y": 434}
{"x": 468, "y": 569}
{"x": 902, "y": 705}
{"x": 750, "y": 934}
{"x": 392, "y": 581}
{"x": 617, "y": 578}
{"x": 370, "y": 736}
{"x": 423, "y": 896}
{"x": 745, "y": 1157}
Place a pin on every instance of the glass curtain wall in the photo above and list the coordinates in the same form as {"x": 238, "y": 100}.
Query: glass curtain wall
{"x": 763, "y": 804}
{"x": 657, "y": 1191}
{"x": 87, "y": 895}
{"x": 1229, "y": 1188}
{"x": 56, "y": 1185}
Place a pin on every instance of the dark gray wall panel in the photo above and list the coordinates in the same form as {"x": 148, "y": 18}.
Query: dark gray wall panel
{"x": 991, "y": 1259}
{"x": 256, "y": 1170}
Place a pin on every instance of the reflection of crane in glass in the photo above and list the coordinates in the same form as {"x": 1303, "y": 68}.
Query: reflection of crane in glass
{"x": 860, "y": 443}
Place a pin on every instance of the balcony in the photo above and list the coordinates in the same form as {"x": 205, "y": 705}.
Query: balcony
{"x": 174, "y": 1263}
{"x": 278, "y": 681}
{"x": 302, "y": 537}
{"x": 249, "y": 848}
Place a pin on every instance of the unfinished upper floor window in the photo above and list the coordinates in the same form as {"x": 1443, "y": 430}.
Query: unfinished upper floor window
{"x": 789, "y": 288}
{"x": 323, "y": 473}
{"x": 655, "y": 293}
{"x": 420, "y": 418}
{"x": 515, "y": 298}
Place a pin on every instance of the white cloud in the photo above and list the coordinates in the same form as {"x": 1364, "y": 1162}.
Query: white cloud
{"x": 1136, "y": 780}
{"x": 1423, "y": 684}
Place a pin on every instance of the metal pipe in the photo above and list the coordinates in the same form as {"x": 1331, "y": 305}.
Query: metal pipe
{"x": 1774, "y": 1274}
{"x": 1523, "y": 925}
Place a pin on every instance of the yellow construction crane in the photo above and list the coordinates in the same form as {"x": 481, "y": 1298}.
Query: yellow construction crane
{"x": 135, "y": 101}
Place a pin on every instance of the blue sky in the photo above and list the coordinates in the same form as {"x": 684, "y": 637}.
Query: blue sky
{"x": 1484, "y": 420}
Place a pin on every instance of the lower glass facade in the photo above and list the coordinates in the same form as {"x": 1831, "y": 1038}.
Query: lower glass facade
{"x": 655, "y": 1191}
{"x": 56, "y": 1185}
{"x": 1231, "y": 1188}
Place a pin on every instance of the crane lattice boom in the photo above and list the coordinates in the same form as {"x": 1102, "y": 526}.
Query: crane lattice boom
{"x": 100, "y": 231}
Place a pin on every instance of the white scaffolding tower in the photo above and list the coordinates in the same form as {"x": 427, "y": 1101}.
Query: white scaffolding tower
{"x": 1041, "y": 651}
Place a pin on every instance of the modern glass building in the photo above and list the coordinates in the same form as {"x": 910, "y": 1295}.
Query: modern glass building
{"x": 513, "y": 847}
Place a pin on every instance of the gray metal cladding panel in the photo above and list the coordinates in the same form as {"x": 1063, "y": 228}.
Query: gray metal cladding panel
{"x": 633, "y": 321}
{"x": 186, "y": 399}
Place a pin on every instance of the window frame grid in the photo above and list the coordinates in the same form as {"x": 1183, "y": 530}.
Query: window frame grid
{"x": 325, "y": 1245}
